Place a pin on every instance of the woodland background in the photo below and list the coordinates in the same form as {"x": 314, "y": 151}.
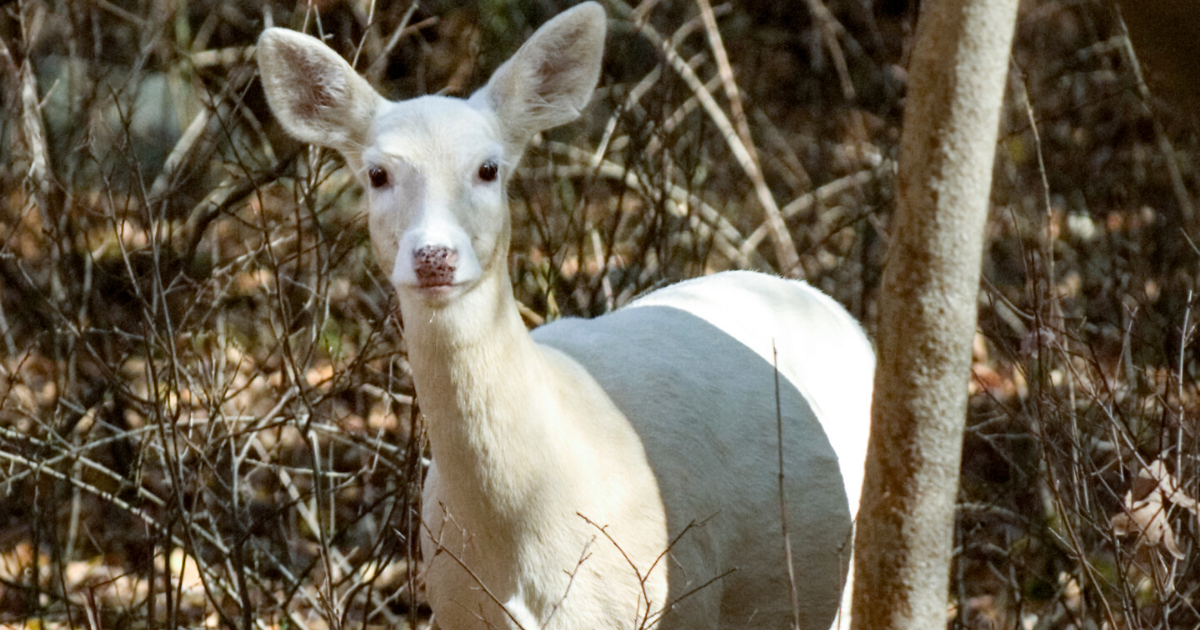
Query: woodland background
{"x": 206, "y": 416}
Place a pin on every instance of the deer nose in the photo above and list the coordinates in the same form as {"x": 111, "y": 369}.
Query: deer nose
{"x": 435, "y": 265}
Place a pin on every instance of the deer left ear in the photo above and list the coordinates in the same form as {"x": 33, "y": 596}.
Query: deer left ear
{"x": 314, "y": 93}
{"x": 551, "y": 78}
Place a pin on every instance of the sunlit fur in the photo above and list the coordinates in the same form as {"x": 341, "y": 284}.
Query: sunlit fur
{"x": 621, "y": 472}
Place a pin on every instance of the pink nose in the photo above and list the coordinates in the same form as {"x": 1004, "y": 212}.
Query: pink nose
{"x": 435, "y": 265}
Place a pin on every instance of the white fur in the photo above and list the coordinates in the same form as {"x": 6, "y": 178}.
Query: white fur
{"x": 621, "y": 472}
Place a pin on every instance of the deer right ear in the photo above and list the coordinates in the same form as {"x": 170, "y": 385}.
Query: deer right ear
{"x": 314, "y": 93}
{"x": 550, "y": 80}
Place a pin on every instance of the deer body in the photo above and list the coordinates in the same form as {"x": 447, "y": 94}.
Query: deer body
{"x": 621, "y": 472}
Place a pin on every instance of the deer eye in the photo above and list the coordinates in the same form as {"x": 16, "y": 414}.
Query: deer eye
{"x": 378, "y": 177}
{"x": 488, "y": 171}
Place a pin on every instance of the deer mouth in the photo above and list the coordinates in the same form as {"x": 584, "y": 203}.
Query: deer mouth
{"x": 434, "y": 283}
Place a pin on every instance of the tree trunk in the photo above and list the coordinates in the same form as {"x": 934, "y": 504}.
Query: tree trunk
{"x": 927, "y": 313}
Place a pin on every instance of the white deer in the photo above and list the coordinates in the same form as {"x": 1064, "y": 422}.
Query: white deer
{"x": 622, "y": 472}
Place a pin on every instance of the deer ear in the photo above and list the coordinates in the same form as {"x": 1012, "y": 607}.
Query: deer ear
{"x": 316, "y": 95}
{"x": 551, "y": 78}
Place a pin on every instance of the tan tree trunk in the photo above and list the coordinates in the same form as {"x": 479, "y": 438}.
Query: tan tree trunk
{"x": 927, "y": 313}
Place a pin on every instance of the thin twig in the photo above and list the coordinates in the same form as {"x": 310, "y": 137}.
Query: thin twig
{"x": 785, "y": 247}
{"x": 1164, "y": 143}
{"x": 783, "y": 511}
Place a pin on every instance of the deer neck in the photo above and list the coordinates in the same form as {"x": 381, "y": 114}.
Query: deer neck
{"x": 485, "y": 392}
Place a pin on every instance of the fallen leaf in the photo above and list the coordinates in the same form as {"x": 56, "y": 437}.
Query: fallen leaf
{"x": 1147, "y": 505}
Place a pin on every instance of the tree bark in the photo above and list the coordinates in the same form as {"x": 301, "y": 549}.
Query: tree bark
{"x": 927, "y": 313}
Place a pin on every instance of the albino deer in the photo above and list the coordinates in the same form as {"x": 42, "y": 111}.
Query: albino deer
{"x": 622, "y": 472}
